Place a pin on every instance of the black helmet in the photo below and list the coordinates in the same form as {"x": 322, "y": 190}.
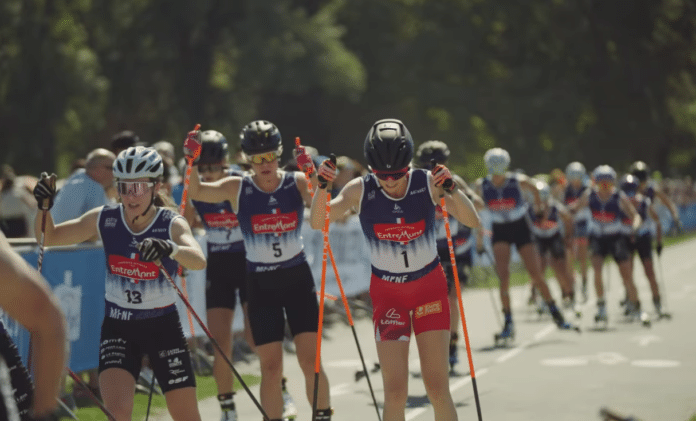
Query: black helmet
{"x": 213, "y": 147}
{"x": 260, "y": 136}
{"x": 388, "y": 145}
{"x": 629, "y": 184}
{"x": 640, "y": 170}
{"x": 432, "y": 150}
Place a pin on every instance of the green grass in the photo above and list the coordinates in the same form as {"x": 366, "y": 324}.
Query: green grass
{"x": 205, "y": 388}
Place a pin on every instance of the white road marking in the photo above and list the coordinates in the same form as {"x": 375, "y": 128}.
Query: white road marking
{"x": 340, "y": 389}
{"x": 655, "y": 363}
{"x": 345, "y": 364}
{"x": 645, "y": 340}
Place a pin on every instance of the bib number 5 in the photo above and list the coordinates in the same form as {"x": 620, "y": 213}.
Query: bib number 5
{"x": 277, "y": 251}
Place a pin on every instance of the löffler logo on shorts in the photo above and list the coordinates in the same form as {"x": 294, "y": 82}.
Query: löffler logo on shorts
{"x": 274, "y": 223}
{"x": 502, "y": 204}
{"x": 392, "y": 318}
{"x": 133, "y": 268}
{"x": 221, "y": 220}
{"x": 400, "y": 232}
{"x": 430, "y": 308}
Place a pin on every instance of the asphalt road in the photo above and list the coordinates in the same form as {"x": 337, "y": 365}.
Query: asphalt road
{"x": 545, "y": 374}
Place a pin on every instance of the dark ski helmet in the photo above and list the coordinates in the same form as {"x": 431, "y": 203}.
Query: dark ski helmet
{"x": 260, "y": 136}
{"x": 388, "y": 145}
{"x": 629, "y": 184}
{"x": 640, "y": 170}
{"x": 213, "y": 147}
{"x": 432, "y": 150}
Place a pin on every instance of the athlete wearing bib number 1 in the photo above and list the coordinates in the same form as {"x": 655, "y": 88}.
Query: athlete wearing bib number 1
{"x": 396, "y": 206}
{"x": 269, "y": 204}
{"x": 140, "y": 316}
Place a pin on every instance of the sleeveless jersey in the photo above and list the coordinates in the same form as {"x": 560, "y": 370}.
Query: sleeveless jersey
{"x": 400, "y": 232}
{"x": 221, "y": 225}
{"x": 505, "y": 203}
{"x": 462, "y": 240}
{"x": 642, "y": 205}
{"x": 546, "y": 227}
{"x": 441, "y": 230}
{"x": 271, "y": 224}
{"x": 571, "y": 196}
{"x": 131, "y": 283}
{"x": 606, "y": 216}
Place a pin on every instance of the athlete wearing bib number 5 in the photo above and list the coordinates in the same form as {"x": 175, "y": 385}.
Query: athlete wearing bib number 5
{"x": 269, "y": 204}
{"x": 140, "y": 316}
{"x": 396, "y": 207}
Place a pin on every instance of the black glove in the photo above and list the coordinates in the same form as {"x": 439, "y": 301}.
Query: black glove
{"x": 152, "y": 249}
{"x": 327, "y": 171}
{"x": 45, "y": 191}
{"x": 658, "y": 248}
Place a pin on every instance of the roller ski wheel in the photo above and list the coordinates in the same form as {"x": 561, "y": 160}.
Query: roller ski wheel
{"x": 644, "y": 319}
{"x": 289, "y": 408}
{"x": 664, "y": 315}
{"x": 506, "y": 336}
{"x": 577, "y": 311}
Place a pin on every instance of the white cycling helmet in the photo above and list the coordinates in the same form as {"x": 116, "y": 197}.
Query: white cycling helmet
{"x": 544, "y": 190}
{"x": 138, "y": 162}
{"x": 604, "y": 173}
{"x": 575, "y": 171}
{"x": 497, "y": 161}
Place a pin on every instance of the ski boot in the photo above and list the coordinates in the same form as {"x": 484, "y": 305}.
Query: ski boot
{"x": 559, "y": 320}
{"x": 289, "y": 408}
{"x": 601, "y": 316}
{"x": 453, "y": 351}
{"x": 658, "y": 310}
{"x": 229, "y": 412}
{"x": 507, "y": 334}
{"x": 583, "y": 290}
{"x": 540, "y": 306}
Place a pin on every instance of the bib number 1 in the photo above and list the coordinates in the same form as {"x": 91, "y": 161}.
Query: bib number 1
{"x": 405, "y": 254}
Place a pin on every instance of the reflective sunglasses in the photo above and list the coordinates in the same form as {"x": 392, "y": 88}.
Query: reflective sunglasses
{"x": 134, "y": 188}
{"x": 393, "y": 175}
{"x": 210, "y": 168}
{"x": 264, "y": 157}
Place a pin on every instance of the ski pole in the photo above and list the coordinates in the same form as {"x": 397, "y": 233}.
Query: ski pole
{"x": 91, "y": 395}
{"x": 149, "y": 398}
{"x": 345, "y": 302}
{"x": 663, "y": 295}
{"x": 317, "y": 360}
{"x": 453, "y": 260}
{"x": 212, "y": 340}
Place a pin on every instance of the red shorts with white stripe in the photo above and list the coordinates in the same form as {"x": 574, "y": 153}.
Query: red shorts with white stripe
{"x": 420, "y": 305}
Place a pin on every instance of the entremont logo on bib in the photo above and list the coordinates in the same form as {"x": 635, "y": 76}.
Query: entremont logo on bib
{"x": 501, "y": 204}
{"x": 400, "y": 232}
{"x": 221, "y": 220}
{"x": 133, "y": 268}
{"x": 605, "y": 217}
{"x": 275, "y": 223}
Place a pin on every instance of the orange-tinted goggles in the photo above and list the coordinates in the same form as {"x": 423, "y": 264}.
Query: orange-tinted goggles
{"x": 264, "y": 157}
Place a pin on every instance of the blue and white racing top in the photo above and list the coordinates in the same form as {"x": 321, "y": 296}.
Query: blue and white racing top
{"x": 222, "y": 230}
{"x": 400, "y": 232}
{"x": 505, "y": 203}
{"x": 606, "y": 215}
{"x": 549, "y": 226}
{"x": 271, "y": 224}
{"x": 642, "y": 204}
{"x": 571, "y": 196}
{"x": 135, "y": 289}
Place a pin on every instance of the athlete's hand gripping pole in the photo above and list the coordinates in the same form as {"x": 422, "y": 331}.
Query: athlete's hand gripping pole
{"x": 212, "y": 340}
{"x": 461, "y": 305}
{"x": 193, "y": 143}
{"x": 343, "y": 294}
{"x": 91, "y": 395}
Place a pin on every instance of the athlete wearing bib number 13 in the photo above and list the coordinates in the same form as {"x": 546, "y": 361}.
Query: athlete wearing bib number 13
{"x": 140, "y": 315}
{"x": 269, "y": 204}
{"x": 396, "y": 207}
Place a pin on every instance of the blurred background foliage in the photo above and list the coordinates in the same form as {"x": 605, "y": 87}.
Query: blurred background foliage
{"x": 552, "y": 81}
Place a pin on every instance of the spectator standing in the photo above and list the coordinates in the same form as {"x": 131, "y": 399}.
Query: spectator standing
{"x": 17, "y": 205}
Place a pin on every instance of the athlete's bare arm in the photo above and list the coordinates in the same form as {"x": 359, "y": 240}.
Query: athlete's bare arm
{"x": 458, "y": 205}
{"x": 469, "y": 192}
{"x": 218, "y": 191}
{"x": 630, "y": 211}
{"x": 303, "y": 187}
{"x": 347, "y": 199}
{"x": 27, "y": 298}
{"x": 480, "y": 205}
{"x": 567, "y": 219}
{"x": 582, "y": 202}
{"x": 658, "y": 224}
{"x": 70, "y": 232}
{"x": 527, "y": 185}
{"x": 190, "y": 254}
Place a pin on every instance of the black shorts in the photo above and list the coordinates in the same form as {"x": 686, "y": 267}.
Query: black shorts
{"x": 123, "y": 344}
{"x": 615, "y": 245}
{"x": 553, "y": 245}
{"x": 279, "y": 293}
{"x": 643, "y": 245}
{"x": 22, "y": 385}
{"x": 517, "y": 233}
{"x": 463, "y": 264}
{"x": 225, "y": 274}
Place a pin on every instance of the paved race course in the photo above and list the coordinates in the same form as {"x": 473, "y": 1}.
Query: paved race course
{"x": 545, "y": 374}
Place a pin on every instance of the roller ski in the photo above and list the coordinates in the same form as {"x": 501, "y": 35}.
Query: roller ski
{"x": 360, "y": 374}
{"x": 569, "y": 304}
{"x": 636, "y": 314}
{"x": 507, "y": 335}
{"x": 601, "y": 317}
{"x": 289, "y": 408}
{"x": 659, "y": 312}
{"x": 559, "y": 320}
